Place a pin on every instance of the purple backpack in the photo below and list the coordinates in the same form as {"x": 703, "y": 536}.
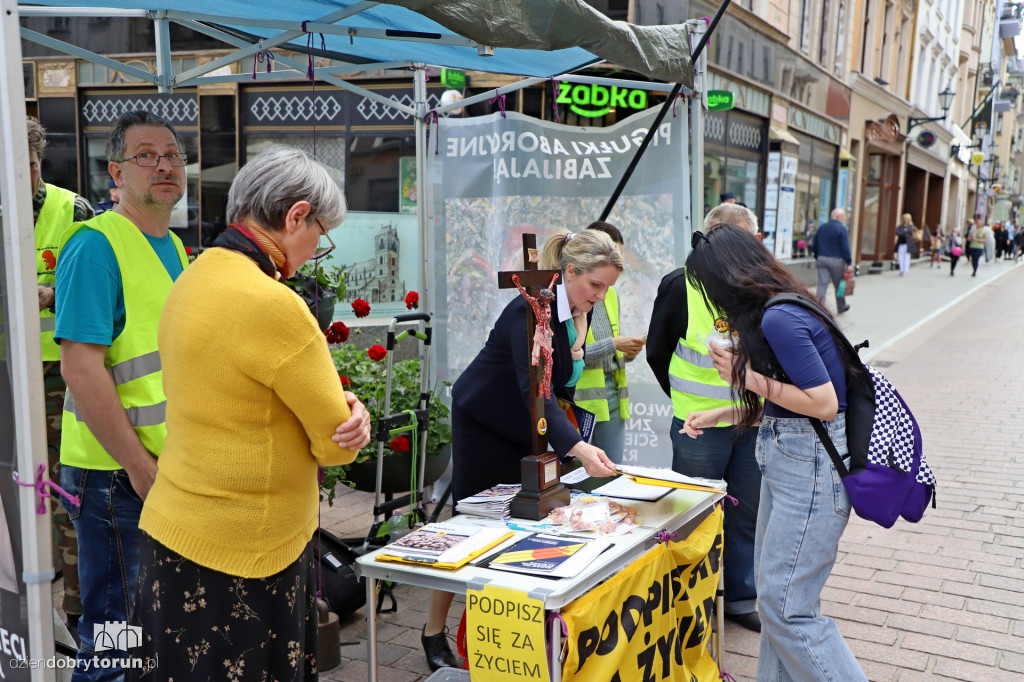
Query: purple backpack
{"x": 888, "y": 476}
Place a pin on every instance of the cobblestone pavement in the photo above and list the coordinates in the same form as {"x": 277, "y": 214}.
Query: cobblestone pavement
{"x": 938, "y": 600}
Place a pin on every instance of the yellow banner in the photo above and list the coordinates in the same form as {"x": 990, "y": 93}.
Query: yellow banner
{"x": 652, "y": 621}
{"x": 505, "y": 636}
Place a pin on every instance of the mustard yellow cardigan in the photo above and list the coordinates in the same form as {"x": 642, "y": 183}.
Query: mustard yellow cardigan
{"x": 252, "y": 402}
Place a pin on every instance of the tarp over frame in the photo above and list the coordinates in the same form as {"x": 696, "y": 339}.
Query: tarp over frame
{"x": 541, "y": 38}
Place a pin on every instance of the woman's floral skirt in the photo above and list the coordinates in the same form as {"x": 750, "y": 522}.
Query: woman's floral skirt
{"x": 200, "y": 624}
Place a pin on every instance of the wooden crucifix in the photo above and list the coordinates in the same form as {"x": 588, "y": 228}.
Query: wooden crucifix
{"x": 542, "y": 491}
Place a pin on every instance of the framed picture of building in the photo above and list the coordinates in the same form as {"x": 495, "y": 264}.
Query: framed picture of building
{"x": 378, "y": 252}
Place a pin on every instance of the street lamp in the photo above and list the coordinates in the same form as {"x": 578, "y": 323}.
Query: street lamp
{"x": 945, "y": 101}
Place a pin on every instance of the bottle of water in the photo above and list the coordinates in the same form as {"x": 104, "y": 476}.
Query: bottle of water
{"x": 398, "y": 525}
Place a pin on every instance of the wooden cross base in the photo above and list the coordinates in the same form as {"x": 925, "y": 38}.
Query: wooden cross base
{"x": 542, "y": 489}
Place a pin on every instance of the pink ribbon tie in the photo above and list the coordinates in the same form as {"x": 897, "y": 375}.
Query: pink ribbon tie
{"x": 500, "y": 99}
{"x": 41, "y": 485}
{"x": 665, "y": 536}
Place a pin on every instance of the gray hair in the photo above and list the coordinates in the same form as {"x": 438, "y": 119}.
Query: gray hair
{"x": 36, "y": 136}
{"x": 586, "y": 250}
{"x": 838, "y": 214}
{"x": 141, "y": 117}
{"x": 271, "y": 183}
{"x": 730, "y": 214}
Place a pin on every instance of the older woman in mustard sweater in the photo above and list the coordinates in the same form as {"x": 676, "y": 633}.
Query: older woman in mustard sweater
{"x": 226, "y": 583}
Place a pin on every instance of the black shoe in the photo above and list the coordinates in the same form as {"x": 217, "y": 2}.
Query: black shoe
{"x": 750, "y": 621}
{"x": 438, "y": 652}
{"x": 844, "y": 309}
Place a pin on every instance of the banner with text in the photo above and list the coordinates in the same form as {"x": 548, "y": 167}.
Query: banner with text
{"x": 652, "y": 621}
{"x": 494, "y": 178}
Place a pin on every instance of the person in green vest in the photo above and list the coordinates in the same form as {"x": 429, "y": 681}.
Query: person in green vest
{"x": 54, "y": 209}
{"x": 678, "y": 354}
{"x": 113, "y": 277}
{"x": 602, "y": 386}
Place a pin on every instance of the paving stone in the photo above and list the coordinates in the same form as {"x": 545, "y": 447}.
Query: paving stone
{"x": 965, "y": 671}
{"x": 1012, "y": 662}
{"x": 960, "y": 616}
{"x": 923, "y": 625}
{"x": 946, "y": 648}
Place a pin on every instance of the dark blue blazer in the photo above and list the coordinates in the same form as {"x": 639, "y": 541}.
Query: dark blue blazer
{"x": 495, "y": 389}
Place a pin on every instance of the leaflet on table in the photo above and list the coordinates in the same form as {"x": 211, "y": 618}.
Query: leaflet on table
{"x": 626, "y": 488}
{"x": 492, "y": 503}
{"x": 549, "y": 555}
{"x": 583, "y": 420}
{"x": 667, "y": 477}
{"x": 440, "y": 545}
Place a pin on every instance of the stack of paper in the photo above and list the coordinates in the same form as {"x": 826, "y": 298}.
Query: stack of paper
{"x": 626, "y": 488}
{"x": 492, "y": 503}
{"x": 667, "y": 477}
{"x": 440, "y": 545}
{"x": 556, "y": 556}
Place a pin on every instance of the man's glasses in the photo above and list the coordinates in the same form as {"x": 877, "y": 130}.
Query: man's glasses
{"x": 151, "y": 160}
{"x": 320, "y": 253}
{"x": 696, "y": 238}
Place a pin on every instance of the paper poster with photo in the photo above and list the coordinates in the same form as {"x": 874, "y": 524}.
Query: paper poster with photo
{"x": 379, "y": 253}
{"x": 496, "y": 178}
{"x": 407, "y": 191}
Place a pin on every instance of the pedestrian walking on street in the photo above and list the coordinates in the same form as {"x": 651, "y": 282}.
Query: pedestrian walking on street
{"x": 938, "y": 241}
{"x": 831, "y": 251}
{"x": 803, "y": 508}
{"x": 905, "y": 244}
{"x": 976, "y": 240}
{"x": 954, "y": 249}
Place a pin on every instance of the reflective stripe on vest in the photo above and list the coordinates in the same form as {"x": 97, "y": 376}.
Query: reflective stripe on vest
{"x": 591, "y": 393}
{"x": 693, "y": 380}
{"x": 132, "y": 359}
{"x": 56, "y": 215}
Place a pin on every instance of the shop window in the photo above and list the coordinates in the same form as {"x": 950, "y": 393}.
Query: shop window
{"x": 373, "y": 170}
{"x": 217, "y": 134}
{"x": 60, "y": 163}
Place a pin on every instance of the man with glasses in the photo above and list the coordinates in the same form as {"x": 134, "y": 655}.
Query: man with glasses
{"x": 677, "y": 352}
{"x": 113, "y": 277}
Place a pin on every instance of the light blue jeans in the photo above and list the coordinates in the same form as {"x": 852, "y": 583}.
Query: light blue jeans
{"x": 804, "y": 510}
{"x": 610, "y": 436}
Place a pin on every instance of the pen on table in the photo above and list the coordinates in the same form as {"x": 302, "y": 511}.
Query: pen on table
{"x": 419, "y": 559}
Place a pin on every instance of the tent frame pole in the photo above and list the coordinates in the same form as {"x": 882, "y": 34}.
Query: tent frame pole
{"x": 23, "y": 352}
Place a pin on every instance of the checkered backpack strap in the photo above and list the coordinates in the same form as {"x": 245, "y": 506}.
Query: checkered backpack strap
{"x": 894, "y": 438}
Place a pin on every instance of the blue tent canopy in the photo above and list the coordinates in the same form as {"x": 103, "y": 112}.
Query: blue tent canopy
{"x": 372, "y": 33}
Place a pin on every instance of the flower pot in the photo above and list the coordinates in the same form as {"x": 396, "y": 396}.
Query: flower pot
{"x": 324, "y": 313}
{"x": 397, "y": 469}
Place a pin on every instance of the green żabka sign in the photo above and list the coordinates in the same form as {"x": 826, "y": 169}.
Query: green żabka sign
{"x": 593, "y": 100}
{"x": 721, "y": 100}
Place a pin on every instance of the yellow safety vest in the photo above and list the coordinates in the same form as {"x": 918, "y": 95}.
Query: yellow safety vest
{"x": 56, "y": 215}
{"x": 591, "y": 394}
{"x": 132, "y": 359}
{"x": 693, "y": 380}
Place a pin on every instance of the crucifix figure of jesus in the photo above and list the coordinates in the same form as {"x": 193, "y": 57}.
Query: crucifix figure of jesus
{"x": 536, "y": 286}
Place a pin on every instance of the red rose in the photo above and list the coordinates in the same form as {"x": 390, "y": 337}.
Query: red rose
{"x": 360, "y": 307}
{"x": 400, "y": 444}
{"x": 345, "y": 381}
{"x": 337, "y": 332}
{"x": 412, "y": 300}
{"x": 377, "y": 353}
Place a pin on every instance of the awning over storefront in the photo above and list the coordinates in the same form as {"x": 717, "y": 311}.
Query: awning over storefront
{"x": 925, "y": 161}
{"x": 783, "y": 135}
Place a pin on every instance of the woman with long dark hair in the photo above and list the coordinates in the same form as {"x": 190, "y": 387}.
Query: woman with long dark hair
{"x": 786, "y": 367}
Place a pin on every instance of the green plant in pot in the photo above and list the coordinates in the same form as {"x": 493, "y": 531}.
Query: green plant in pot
{"x": 321, "y": 288}
{"x": 363, "y": 373}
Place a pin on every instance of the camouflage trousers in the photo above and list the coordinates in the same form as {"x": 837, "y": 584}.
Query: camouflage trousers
{"x": 65, "y": 539}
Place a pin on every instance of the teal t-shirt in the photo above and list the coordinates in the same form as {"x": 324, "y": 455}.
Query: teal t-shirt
{"x": 577, "y": 365}
{"x": 89, "y": 295}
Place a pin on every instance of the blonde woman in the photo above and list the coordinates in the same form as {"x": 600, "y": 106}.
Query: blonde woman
{"x": 491, "y": 399}
{"x": 905, "y": 244}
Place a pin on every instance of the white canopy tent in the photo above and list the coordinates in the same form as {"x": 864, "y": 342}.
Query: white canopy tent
{"x": 358, "y": 35}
